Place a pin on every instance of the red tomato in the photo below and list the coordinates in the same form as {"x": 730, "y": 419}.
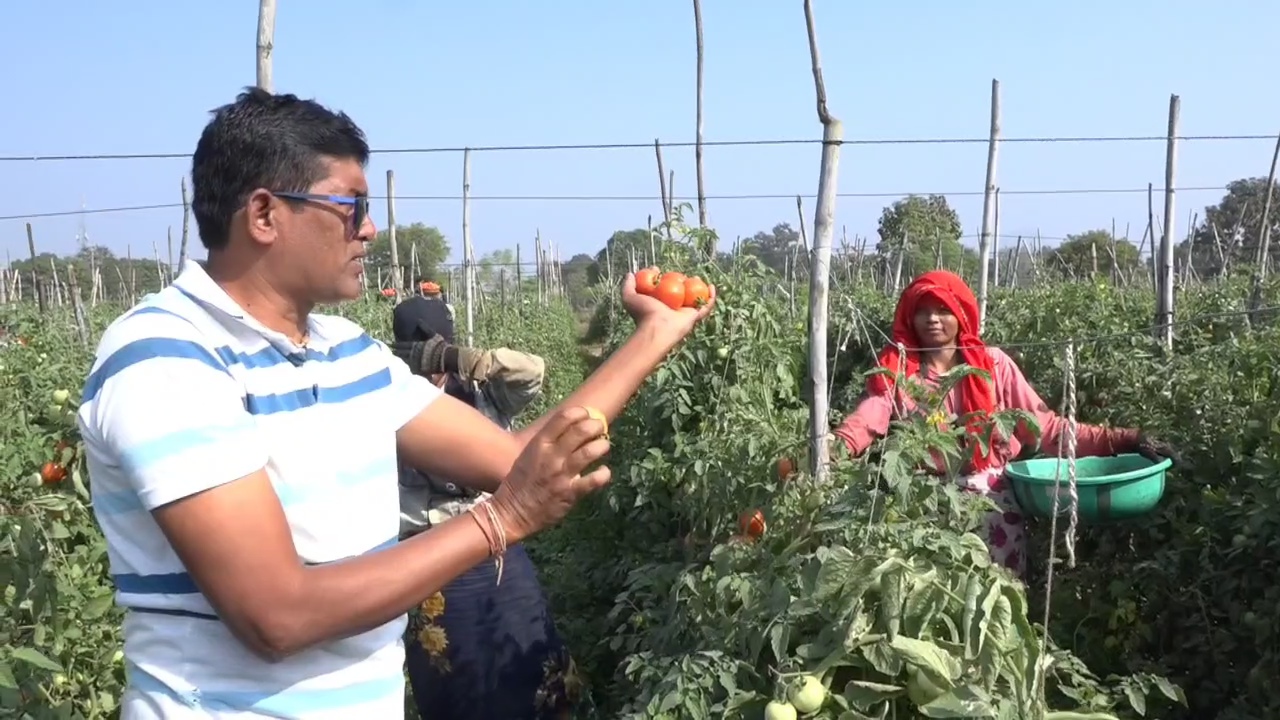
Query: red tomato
{"x": 679, "y": 276}
{"x": 786, "y": 469}
{"x": 52, "y": 473}
{"x": 696, "y": 293}
{"x": 751, "y": 523}
{"x": 670, "y": 290}
{"x": 647, "y": 280}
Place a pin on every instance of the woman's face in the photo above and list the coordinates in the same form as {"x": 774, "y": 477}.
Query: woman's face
{"x": 935, "y": 326}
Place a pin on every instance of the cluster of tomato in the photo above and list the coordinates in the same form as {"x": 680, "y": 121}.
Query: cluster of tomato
{"x": 674, "y": 289}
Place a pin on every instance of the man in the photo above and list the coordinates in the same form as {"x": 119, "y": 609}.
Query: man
{"x": 243, "y": 451}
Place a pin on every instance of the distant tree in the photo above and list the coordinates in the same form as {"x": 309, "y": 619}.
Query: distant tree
{"x": 1074, "y": 258}
{"x": 928, "y": 225}
{"x": 618, "y": 251}
{"x": 1230, "y": 229}
{"x": 777, "y": 248}
{"x": 114, "y": 272}
{"x": 432, "y": 248}
{"x": 495, "y": 266}
{"x": 576, "y": 275}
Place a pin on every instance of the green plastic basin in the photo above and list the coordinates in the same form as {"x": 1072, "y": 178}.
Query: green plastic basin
{"x": 1109, "y": 488}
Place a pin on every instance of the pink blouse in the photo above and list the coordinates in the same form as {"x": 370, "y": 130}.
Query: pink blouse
{"x": 872, "y": 417}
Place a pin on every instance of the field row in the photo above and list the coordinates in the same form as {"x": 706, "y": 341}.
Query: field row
{"x": 877, "y": 584}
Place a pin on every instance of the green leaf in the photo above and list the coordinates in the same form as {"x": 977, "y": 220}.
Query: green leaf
{"x": 996, "y": 617}
{"x": 1171, "y": 691}
{"x": 891, "y": 601}
{"x": 966, "y": 701}
{"x": 97, "y": 607}
{"x": 1137, "y": 698}
{"x": 863, "y": 694}
{"x": 7, "y": 679}
{"x": 882, "y": 657}
{"x": 32, "y": 656}
{"x": 928, "y": 657}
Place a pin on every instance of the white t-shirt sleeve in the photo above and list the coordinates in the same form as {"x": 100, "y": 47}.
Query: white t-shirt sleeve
{"x": 169, "y": 414}
{"x": 409, "y": 394}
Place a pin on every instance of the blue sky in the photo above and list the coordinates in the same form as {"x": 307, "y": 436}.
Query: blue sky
{"x": 94, "y": 77}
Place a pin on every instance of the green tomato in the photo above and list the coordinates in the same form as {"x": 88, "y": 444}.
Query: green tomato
{"x": 779, "y": 711}
{"x": 59, "y": 679}
{"x": 808, "y": 694}
{"x": 722, "y": 353}
{"x": 61, "y": 396}
{"x": 117, "y": 656}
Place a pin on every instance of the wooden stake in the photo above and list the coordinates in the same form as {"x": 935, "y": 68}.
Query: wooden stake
{"x": 266, "y": 41}
{"x": 697, "y": 151}
{"x": 820, "y": 262}
{"x": 397, "y": 281}
{"x": 988, "y": 205}
{"x": 1164, "y": 308}
{"x": 468, "y": 258}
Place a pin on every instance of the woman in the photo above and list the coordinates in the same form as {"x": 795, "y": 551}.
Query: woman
{"x": 479, "y": 649}
{"x": 936, "y": 320}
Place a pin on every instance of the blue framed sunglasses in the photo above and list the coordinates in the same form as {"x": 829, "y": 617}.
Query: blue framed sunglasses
{"x": 360, "y": 203}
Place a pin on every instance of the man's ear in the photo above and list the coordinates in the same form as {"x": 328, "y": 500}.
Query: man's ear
{"x": 260, "y": 218}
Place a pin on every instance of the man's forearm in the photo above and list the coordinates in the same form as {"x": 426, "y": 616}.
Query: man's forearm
{"x": 611, "y": 386}
{"x": 348, "y": 597}
{"x": 468, "y": 449}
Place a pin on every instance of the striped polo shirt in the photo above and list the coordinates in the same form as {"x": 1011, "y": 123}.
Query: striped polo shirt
{"x": 189, "y": 392}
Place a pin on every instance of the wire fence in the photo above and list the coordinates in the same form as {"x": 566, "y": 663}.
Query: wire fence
{"x": 685, "y": 144}
{"x": 651, "y": 198}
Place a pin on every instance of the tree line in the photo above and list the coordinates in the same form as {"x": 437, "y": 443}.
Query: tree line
{"x": 914, "y": 234}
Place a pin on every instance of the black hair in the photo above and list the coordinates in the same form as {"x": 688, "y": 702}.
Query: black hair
{"x": 268, "y": 141}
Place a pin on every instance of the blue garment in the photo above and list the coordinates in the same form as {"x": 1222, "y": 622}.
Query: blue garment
{"x": 490, "y": 651}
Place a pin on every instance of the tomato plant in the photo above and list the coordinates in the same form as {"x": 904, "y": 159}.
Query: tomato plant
{"x": 874, "y": 588}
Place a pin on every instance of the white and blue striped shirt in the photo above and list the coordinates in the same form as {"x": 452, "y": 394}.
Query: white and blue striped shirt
{"x": 187, "y": 393}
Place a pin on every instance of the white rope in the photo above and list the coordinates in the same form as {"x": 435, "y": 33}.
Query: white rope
{"x": 1069, "y": 371}
{"x": 1066, "y": 449}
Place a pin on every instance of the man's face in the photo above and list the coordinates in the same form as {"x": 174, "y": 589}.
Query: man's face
{"x": 320, "y": 250}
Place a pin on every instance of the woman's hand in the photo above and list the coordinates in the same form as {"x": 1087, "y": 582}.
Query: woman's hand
{"x": 1156, "y": 450}
{"x": 546, "y": 481}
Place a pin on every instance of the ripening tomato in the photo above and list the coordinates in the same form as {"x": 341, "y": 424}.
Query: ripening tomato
{"x": 647, "y": 280}
{"x": 52, "y": 473}
{"x": 670, "y": 290}
{"x": 786, "y": 468}
{"x": 751, "y": 523}
{"x": 696, "y": 293}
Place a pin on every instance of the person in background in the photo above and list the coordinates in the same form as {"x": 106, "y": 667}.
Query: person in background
{"x": 485, "y": 647}
{"x": 432, "y": 290}
{"x": 936, "y": 320}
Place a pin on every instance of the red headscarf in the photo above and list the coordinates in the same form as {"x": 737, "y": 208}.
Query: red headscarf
{"x": 977, "y": 394}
